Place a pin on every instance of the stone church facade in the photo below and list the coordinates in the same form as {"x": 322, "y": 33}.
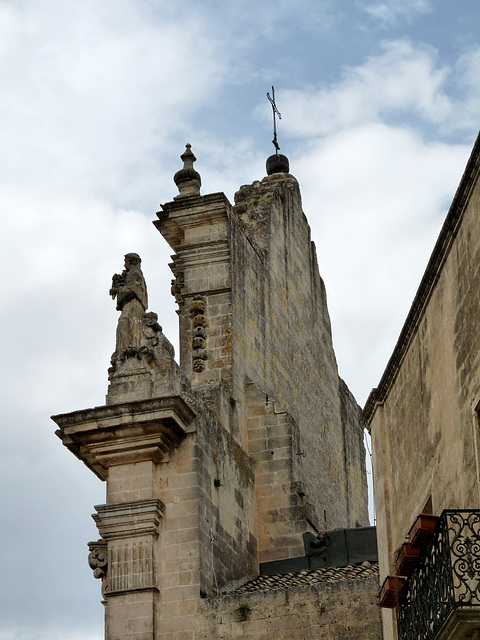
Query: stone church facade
{"x": 236, "y": 501}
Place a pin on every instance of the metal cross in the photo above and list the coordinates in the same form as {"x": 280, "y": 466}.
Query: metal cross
{"x": 275, "y": 111}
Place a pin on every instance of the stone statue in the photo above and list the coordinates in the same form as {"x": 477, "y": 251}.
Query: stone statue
{"x": 130, "y": 290}
{"x": 151, "y": 328}
{"x": 142, "y": 364}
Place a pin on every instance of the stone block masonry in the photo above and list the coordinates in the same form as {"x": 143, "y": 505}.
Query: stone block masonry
{"x": 222, "y": 462}
{"x": 266, "y": 324}
{"x": 340, "y": 609}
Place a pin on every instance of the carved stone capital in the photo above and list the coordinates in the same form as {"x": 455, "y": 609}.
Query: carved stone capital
{"x": 128, "y": 533}
{"x": 129, "y": 519}
{"x": 212, "y": 210}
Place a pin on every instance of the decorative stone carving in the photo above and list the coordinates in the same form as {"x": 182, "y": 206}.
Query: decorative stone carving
{"x": 177, "y": 288}
{"x": 130, "y": 290}
{"x": 130, "y": 566}
{"x": 151, "y": 335}
{"x": 98, "y": 561}
{"x": 129, "y": 529}
{"x": 197, "y": 305}
{"x": 199, "y": 342}
{"x": 139, "y": 336}
{"x": 98, "y": 558}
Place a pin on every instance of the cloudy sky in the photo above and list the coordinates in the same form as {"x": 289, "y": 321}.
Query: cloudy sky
{"x": 381, "y": 105}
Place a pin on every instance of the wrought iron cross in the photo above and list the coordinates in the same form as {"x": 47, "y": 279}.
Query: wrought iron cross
{"x": 277, "y": 112}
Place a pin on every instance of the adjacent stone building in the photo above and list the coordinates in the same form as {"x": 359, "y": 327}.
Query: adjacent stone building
{"x": 230, "y": 474}
{"x": 424, "y": 421}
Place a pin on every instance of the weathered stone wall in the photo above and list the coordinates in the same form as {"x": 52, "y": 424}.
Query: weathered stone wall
{"x": 248, "y": 286}
{"x": 424, "y": 421}
{"x": 282, "y": 511}
{"x": 227, "y": 514}
{"x": 205, "y": 539}
{"x": 282, "y": 343}
{"x": 354, "y": 452}
{"x": 337, "y": 610}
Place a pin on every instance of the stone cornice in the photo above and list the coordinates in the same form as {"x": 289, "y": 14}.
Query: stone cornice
{"x": 194, "y": 211}
{"x": 192, "y": 203}
{"x": 125, "y": 433}
{"x": 125, "y": 412}
{"x": 427, "y": 285}
{"x": 204, "y": 253}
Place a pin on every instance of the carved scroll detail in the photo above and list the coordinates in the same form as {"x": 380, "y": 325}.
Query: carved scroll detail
{"x": 98, "y": 561}
{"x": 199, "y": 341}
{"x": 98, "y": 558}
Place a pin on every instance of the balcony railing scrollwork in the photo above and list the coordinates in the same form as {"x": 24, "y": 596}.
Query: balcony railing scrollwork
{"x": 447, "y": 580}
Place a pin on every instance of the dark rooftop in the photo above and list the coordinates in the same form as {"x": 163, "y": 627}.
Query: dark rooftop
{"x": 306, "y": 578}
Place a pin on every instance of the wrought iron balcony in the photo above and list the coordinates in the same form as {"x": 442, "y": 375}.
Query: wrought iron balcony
{"x": 441, "y": 600}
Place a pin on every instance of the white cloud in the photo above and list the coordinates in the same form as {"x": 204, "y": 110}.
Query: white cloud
{"x": 403, "y": 79}
{"x": 100, "y": 84}
{"x": 467, "y": 79}
{"x": 375, "y": 197}
{"x": 390, "y": 11}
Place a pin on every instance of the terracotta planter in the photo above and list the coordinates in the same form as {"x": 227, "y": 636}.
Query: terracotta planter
{"x": 422, "y": 530}
{"x": 408, "y": 559}
{"x": 390, "y": 591}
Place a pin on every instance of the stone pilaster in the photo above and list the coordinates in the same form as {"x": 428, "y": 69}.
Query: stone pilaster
{"x": 124, "y": 444}
{"x": 130, "y": 530}
{"x": 198, "y": 230}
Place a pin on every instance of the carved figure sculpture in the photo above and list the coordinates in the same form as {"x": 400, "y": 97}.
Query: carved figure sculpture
{"x": 151, "y": 328}
{"x": 151, "y": 336}
{"x": 130, "y": 290}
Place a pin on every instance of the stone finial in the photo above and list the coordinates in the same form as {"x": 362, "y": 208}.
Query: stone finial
{"x": 187, "y": 179}
{"x": 277, "y": 163}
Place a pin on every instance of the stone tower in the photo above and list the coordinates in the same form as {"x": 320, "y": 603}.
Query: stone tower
{"x": 217, "y": 466}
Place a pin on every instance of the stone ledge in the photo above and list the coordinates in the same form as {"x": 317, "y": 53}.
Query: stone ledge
{"x": 126, "y": 519}
{"x": 125, "y": 433}
{"x": 194, "y": 211}
{"x": 123, "y": 592}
